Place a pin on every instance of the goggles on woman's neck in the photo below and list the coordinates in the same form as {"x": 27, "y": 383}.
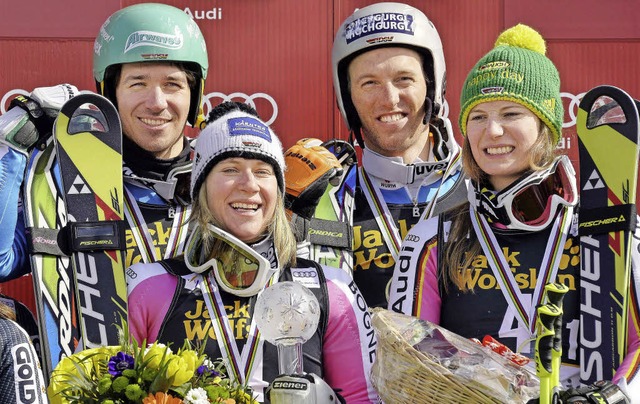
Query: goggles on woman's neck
{"x": 531, "y": 202}
{"x": 238, "y": 268}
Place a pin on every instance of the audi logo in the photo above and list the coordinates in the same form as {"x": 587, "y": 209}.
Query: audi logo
{"x": 10, "y": 95}
{"x": 260, "y": 101}
{"x": 266, "y": 105}
{"x": 572, "y": 108}
{"x": 304, "y": 274}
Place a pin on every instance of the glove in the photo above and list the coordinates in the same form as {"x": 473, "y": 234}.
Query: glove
{"x": 601, "y": 392}
{"x": 310, "y": 168}
{"x": 30, "y": 118}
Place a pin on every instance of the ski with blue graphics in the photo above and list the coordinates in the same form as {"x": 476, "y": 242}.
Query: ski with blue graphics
{"x": 607, "y": 127}
{"x": 73, "y": 212}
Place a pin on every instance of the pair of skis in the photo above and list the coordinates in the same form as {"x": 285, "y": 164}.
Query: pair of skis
{"x": 74, "y": 212}
{"x": 607, "y": 126}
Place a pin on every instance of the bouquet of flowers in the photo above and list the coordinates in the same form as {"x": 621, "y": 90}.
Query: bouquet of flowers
{"x": 153, "y": 375}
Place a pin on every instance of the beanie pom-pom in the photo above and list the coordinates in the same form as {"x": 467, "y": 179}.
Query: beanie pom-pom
{"x": 522, "y": 36}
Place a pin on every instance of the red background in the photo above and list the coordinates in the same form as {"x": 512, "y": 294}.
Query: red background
{"x": 282, "y": 48}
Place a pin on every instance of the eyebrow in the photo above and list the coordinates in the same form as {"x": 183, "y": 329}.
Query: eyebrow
{"x": 145, "y": 76}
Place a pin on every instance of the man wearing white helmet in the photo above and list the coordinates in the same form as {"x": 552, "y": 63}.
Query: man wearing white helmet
{"x": 389, "y": 78}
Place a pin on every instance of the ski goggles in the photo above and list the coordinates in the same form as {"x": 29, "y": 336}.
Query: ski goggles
{"x": 176, "y": 186}
{"x": 237, "y": 268}
{"x": 531, "y": 202}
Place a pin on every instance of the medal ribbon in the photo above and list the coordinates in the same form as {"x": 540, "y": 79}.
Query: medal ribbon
{"x": 142, "y": 235}
{"x": 503, "y": 274}
{"x": 240, "y": 366}
{"x": 381, "y": 213}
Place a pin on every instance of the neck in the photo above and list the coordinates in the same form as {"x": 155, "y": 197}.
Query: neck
{"x": 145, "y": 164}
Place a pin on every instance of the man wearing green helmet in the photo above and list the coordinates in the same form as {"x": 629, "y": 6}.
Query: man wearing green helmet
{"x": 150, "y": 60}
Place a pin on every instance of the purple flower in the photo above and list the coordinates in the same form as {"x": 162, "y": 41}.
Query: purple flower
{"x": 120, "y": 362}
{"x": 204, "y": 370}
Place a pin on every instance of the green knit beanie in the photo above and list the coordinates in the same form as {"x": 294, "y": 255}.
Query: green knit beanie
{"x": 516, "y": 70}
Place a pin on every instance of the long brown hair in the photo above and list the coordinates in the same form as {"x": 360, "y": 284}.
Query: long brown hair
{"x": 463, "y": 246}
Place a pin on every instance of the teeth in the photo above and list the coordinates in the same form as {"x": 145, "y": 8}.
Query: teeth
{"x": 153, "y": 122}
{"x": 499, "y": 150}
{"x": 239, "y": 205}
{"x": 391, "y": 118}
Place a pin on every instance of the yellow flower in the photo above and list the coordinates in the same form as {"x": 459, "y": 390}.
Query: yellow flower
{"x": 191, "y": 359}
{"x": 154, "y": 354}
{"x": 179, "y": 369}
{"x": 68, "y": 367}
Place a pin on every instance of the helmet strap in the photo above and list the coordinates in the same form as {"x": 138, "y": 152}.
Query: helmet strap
{"x": 428, "y": 109}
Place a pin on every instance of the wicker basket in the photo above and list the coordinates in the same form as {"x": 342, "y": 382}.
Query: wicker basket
{"x": 403, "y": 374}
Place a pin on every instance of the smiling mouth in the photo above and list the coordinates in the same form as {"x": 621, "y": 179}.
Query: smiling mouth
{"x": 391, "y": 118}
{"x": 153, "y": 122}
{"x": 499, "y": 150}
{"x": 245, "y": 206}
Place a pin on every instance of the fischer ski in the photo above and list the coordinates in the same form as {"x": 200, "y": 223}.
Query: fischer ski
{"x": 607, "y": 126}
{"x": 88, "y": 137}
{"x": 51, "y": 269}
{"x": 73, "y": 204}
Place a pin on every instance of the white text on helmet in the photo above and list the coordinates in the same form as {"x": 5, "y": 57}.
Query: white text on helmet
{"x": 378, "y": 23}
{"x": 149, "y": 38}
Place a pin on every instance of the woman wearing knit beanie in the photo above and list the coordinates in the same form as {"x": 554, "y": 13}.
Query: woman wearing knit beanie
{"x": 482, "y": 269}
{"x": 241, "y": 243}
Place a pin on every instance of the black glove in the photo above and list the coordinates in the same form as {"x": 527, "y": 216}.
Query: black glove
{"x": 601, "y": 392}
{"x": 310, "y": 168}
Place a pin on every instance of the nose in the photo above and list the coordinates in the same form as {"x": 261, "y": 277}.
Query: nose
{"x": 391, "y": 94}
{"x": 156, "y": 99}
{"x": 248, "y": 182}
{"x": 494, "y": 127}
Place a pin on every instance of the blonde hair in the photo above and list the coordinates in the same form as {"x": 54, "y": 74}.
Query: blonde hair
{"x": 463, "y": 247}
{"x": 278, "y": 228}
{"x": 6, "y": 311}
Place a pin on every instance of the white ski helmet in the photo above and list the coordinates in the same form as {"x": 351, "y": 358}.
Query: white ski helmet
{"x": 391, "y": 25}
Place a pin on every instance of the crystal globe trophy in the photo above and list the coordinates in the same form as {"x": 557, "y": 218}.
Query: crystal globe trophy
{"x": 287, "y": 315}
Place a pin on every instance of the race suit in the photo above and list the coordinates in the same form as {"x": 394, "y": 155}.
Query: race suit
{"x": 166, "y": 304}
{"x": 25, "y": 319}
{"x": 14, "y": 256}
{"x": 417, "y": 289}
{"x": 20, "y": 372}
{"x": 380, "y": 201}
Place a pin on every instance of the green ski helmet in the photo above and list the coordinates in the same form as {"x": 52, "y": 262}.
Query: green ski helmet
{"x": 150, "y": 32}
{"x": 390, "y": 25}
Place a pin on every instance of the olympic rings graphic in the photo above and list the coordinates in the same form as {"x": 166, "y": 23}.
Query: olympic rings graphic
{"x": 10, "y": 95}
{"x": 247, "y": 99}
